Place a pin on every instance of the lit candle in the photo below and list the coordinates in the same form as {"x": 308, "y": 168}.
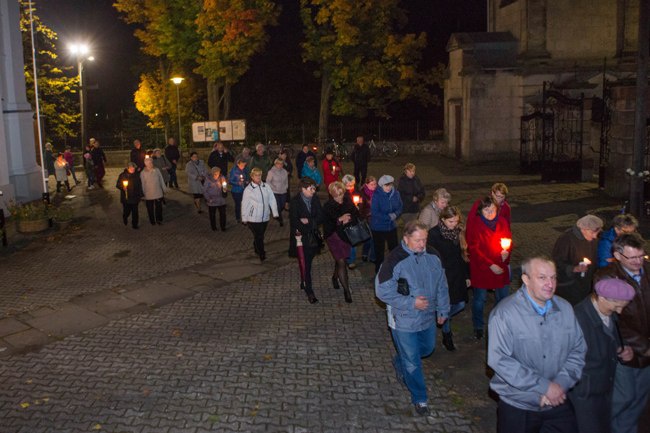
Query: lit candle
{"x": 585, "y": 261}
{"x": 224, "y": 185}
{"x": 125, "y": 183}
{"x": 356, "y": 199}
{"x": 505, "y": 243}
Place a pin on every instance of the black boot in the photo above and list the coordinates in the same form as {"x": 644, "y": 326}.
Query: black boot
{"x": 347, "y": 295}
{"x": 448, "y": 341}
{"x": 335, "y": 282}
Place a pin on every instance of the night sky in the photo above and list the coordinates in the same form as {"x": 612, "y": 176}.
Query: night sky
{"x": 277, "y": 85}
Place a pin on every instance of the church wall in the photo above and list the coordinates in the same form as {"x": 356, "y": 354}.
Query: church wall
{"x": 510, "y": 18}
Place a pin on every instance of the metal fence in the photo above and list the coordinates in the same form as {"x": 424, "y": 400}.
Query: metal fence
{"x": 339, "y": 130}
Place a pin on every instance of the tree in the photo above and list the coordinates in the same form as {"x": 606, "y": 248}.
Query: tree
{"x": 364, "y": 64}
{"x": 58, "y": 105}
{"x": 232, "y": 32}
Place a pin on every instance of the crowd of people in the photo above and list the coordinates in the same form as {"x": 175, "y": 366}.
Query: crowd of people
{"x": 573, "y": 361}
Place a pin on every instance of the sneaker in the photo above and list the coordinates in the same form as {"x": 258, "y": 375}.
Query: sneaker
{"x": 352, "y": 266}
{"x": 448, "y": 341}
{"x": 91, "y": 187}
{"x": 422, "y": 408}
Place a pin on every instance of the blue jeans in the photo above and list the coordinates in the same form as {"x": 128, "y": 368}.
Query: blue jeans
{"x": 479, "y": 302}
{"x": 411, "y": 348}
{"x": 631, "y": 386}
{"x": 455, "y": 309}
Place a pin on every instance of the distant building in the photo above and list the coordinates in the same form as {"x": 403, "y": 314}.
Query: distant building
{"x": 551, "y": 84}
{"x": 20, "y": 175}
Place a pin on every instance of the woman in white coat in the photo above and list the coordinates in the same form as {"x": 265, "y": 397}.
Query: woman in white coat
{"x": 154, "y": 187}
{"x": 257, "y": 205}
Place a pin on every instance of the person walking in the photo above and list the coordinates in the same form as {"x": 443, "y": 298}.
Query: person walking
{"x": 360, "y": 157}
{"x": 238, "y": 179}
{"x": 412, "y": 284}
{"x": 305, "y": 215}
{"x": 261, "y": 160}
{"x": 89, "y": 167}
{"x": 48, "y": 159}
{"x": 302, "y": 156}
{"x": 632, "y": 378}
{"x": 258, "y": 203}
{"x": 537, "y": 351}
{"x": 310, "y": 170}
{"x": 488, "y": 260}
{"x": 448, "y": 238}
{"x": 69, "y": 158}
{"x": 499, "y": 194}
{"x": 220, "y": 157}
{"x": 575, "y": 254}
{"x": 430, "y": 214}
{"x": 161, "y": 162}
{"x": 349, "y": 185}
{"x": 622, "y": 223}
{"x": 385, "y": 208}
{"x": 130, "y": 186}
{"x": 196, "y": 174}
{"x": 278, "y": 180}
{"x": 173, "y": 156}
{"x": 215, "y": 191}
{"x": 331, "y": 168}
{"x": 367, "y": 192}
{"x": 339, "y": 212}
{"x": 61, "y": 172}
{"x": 99, "y": 159}
{"x": 153, "y": 188}
{"x": 137, "y": 155}
{"x": 597, "y": 315}
{"x": 411, "y": 191}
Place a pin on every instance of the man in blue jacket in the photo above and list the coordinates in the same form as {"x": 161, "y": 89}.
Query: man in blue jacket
{"x": 385, "y": 208}
{"x": 413, "y": 285}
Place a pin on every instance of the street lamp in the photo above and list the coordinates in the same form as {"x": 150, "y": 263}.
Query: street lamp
{"x": 177, "y": 81}
{"x": 81, "y": 51}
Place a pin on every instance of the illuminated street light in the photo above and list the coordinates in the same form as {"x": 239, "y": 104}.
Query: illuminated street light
{"x": 177, "y": 81}
{"x": 81, "y": 51}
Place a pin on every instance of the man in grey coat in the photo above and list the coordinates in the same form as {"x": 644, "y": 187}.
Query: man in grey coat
{"x": 537, "y": 351}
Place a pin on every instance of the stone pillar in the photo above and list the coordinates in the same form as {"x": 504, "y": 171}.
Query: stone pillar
{"x": 19, "y": 173}
{"x": 621, "y": 140}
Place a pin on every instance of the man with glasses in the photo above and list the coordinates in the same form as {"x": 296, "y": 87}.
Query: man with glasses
{"x": 575, "y": 254}
{"x": 632, "y": 378}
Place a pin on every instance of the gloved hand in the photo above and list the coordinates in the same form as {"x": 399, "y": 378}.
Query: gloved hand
{"x": 392, "y": 216}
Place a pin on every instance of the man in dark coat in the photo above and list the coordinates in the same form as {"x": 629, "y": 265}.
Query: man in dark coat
{"x": 597, "y": 315}
{"x": 301, "y": 157}
{"x": 173, "y": 155}
{"x": 220, "y": 157}
{"x": 130, "y": 186}
{"x": 360, "y": 157}
{"x": 575, "y": 255}
{"x": 632, "y": 379}
{"x": 137, "y": 155}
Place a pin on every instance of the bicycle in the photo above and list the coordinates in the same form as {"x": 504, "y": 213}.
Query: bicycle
{"x": 340, "y": 150}
{"x": 385, "y": 148}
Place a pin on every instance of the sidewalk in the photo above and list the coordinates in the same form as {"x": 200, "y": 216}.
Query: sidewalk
{"x": 178, "y": 328}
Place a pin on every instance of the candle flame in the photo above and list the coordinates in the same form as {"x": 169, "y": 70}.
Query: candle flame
{"x": 125, "y": 183}
{"x": 356, "y": 199}
{"x": 506, "y": 243}
{"x": 586, "y": 261}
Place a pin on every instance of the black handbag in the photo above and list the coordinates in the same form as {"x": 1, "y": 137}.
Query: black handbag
{"x": 358, "y": 233}
{"x": 314, "y": 239}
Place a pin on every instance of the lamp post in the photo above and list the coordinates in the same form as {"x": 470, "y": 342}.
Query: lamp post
{"x": 81, "y": 51}
{"x": 177, "y": 81}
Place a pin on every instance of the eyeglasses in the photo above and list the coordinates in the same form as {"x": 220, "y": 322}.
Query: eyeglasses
{"x": 311, "y": 188}
{"x": 642, "y": 257}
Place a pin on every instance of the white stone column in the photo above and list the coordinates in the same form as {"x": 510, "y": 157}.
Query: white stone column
{"x": 19, "y": 173}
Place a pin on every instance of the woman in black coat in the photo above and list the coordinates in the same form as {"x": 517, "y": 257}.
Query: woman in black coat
{"x": 305, "y": 214}
{"x": 339, "y": 212}
{"x": 448, "y": 238}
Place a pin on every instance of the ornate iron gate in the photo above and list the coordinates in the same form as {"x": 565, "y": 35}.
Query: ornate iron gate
{"x": 551, "y": 138}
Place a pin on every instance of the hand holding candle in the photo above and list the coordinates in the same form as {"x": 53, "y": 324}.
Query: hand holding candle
{"x": 506, "y": 243}
{"x": 584, "y": 263}
{"x": 224, "y": 185}
{"x": 356, "y": 199}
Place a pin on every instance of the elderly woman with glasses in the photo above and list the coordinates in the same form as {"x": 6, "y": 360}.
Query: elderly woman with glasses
{"x": 488, "y": 258}
{"x": 339, "y": 211}
{"x": 575, "y": 255}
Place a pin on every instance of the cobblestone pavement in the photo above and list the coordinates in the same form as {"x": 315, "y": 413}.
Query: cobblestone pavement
{"x": 248, "y": 355}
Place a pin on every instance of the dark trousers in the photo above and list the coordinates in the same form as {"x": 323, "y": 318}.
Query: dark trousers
{"x": 309, "y": 258}
{"x": 173, "y": 181}
{"x": 130, "y": 210}
{"x": 380, "y": 240}
{"x": 560, "y": 419}
{"x": 154, "y": 210}
{"x": 360, "y": 174}
{"x": 100, "y": 171}
{"x": 280, "y": 199}
{"x": 237, "y": 198}
{"x": 258, "y": 230}
{"x": 59, "y": 183}
{"x": 212, "y": 210}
